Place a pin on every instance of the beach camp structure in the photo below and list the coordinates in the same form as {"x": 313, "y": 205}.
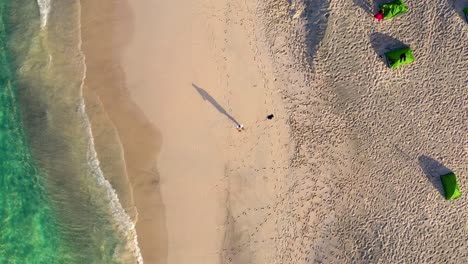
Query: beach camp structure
{"x": 465, "y": 11}
{"x": 393, "y": 9}
{"x": 449, "y": 181}
{"x": 398, "y": 57}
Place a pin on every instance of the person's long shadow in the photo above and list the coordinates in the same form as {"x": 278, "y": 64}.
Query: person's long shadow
{"x": 382, "y": 43}
{"x": 433, "y": 170}
{"x": 207, "y": 97}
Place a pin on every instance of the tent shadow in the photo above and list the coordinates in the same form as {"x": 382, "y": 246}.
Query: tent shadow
{"x": 367, "y": 5}
{"x": 458, "y": 6}
{"x": 382, "y": 43}
{"x": 433, "y": 170}
{"x": 316, "y": 13}
{"x": 371, "y": 6}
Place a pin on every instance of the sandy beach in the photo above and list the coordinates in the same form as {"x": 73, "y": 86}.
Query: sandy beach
{"x": 345, "y": 172}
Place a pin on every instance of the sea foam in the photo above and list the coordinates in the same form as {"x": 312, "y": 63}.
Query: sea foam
{"x": 44, "y": 10}
{"x": 125, "y": 225}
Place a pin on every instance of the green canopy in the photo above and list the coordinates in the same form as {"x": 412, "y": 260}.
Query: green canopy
{"x": 449, "y": 181}
{"x": 394, "y": 8}
{"x": 465, "y": 11}
{"x": 396, "y": 58}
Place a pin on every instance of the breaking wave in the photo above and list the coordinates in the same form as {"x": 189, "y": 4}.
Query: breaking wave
{"x": 125, "y": 225}
{"x": 44, "y": 10}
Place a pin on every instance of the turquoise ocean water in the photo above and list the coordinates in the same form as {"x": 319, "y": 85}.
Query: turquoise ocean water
{"x": 55, "y": 204}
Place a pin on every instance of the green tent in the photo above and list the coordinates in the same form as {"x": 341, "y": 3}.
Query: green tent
{"x": 465, "y": 11}
{"x": 393, "y": 9}
{"x": 449, "y": 181}
{"x": 396, "y": 58}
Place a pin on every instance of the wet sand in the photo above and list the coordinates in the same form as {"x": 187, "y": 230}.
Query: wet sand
{"x": 107, "y": 27}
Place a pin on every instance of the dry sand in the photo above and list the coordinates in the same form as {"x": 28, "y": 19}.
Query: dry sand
{"x": 347, "y": 170}
{"x": 200, "y": 82}
{"x": 372, "y": 141}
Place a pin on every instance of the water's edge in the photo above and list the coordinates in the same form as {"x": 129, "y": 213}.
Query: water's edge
{"x": 125, "y": 223}
{"x": 53, "y": 189}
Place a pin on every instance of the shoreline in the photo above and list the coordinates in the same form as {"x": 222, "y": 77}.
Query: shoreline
{"x": 135, "y": 140}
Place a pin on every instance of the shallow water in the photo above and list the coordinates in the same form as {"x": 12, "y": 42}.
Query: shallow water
{"x": 55, "y": 205}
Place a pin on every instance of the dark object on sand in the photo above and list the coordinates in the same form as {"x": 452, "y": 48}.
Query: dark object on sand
{"x": 270, "y": 116}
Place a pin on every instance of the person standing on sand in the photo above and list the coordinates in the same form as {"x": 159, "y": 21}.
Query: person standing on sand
{"x": 240, "y": 127}
{"x": 380, "y": 15}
